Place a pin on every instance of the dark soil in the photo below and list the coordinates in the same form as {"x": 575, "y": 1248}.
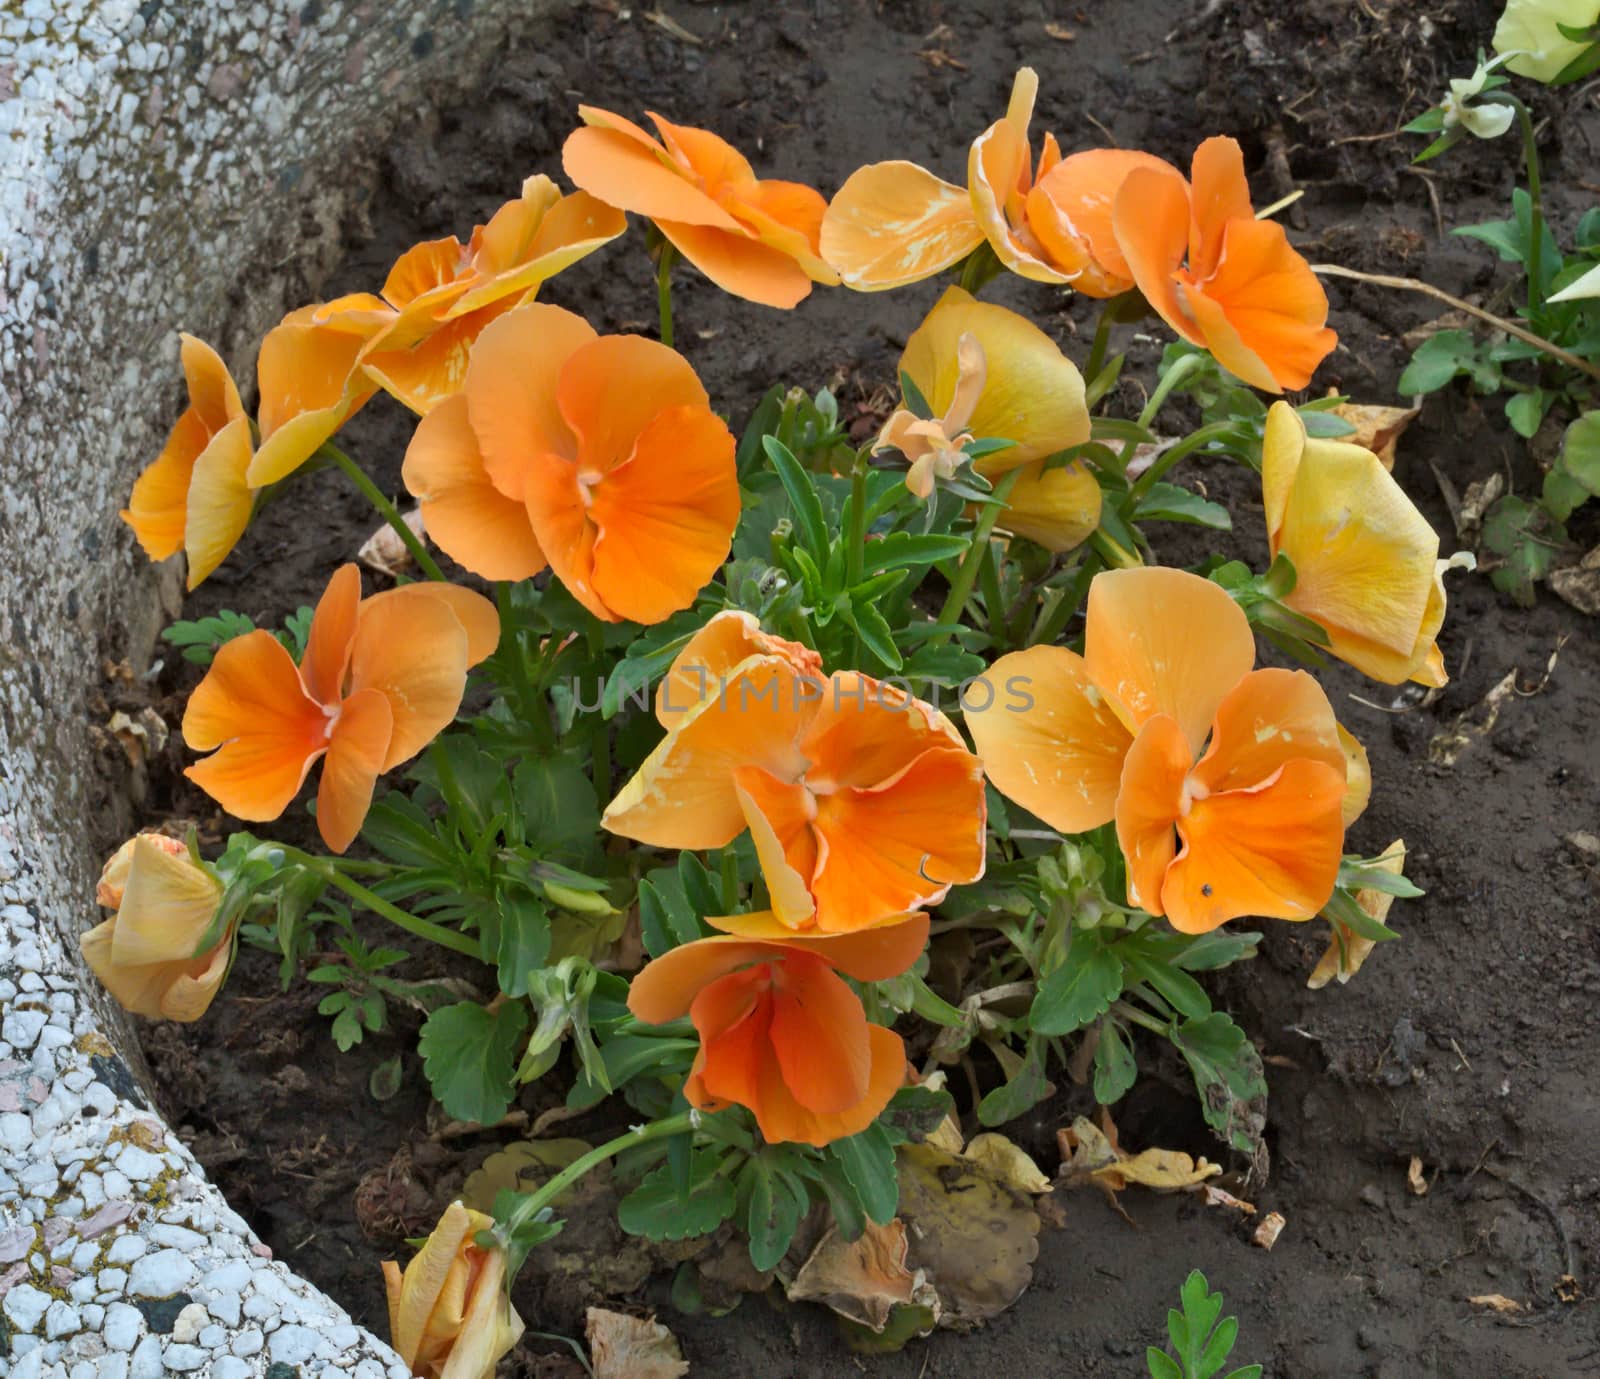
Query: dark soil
{"x": 1471, "y": 1044}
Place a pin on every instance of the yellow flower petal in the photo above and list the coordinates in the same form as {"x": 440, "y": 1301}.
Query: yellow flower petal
{"x": 896, "y": 223}
{"x": 1057, "y": 508}
{"x": 219, "y": 501}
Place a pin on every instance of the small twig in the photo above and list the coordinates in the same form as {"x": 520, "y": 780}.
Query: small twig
{"x": 1433, "y": 197}
{"x": 1333, "y": 270}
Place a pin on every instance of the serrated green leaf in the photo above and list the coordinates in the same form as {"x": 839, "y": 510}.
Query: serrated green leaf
{"x": 469, "y": 1055}
{"x": 1176, "y": 986}
{"x": 1080, "y": 990}
{"x": 868, "y": 1162}
{"x": 1115, "y": 1070}
{"x": 1229, "y": 1076}
{"x": 1021, "y": 1092}
{"x": 1161, "y": 1365}
{"x": 524, "y": 938}
{"x": 1170, "y": 503}
{"x": 774, "y": 1207}
{"x": 903, "y": 548}
{"x": 658, "y": 1210}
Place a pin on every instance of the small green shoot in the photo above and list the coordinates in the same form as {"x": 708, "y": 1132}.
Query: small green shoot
{"x": 1202, "y": 1343}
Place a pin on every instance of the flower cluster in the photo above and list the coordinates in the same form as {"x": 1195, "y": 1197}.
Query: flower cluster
{"x": 792, "y": 816}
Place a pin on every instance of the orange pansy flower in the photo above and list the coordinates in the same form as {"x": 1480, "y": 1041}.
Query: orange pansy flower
{"x": 862, "y": 802}
{"x": 780, "y": 1031}
{"x": 445, "y": 292}
{"x": 194, "y": 495}
{"x": 1122, "y": 732}
{"x": 755, "y": 238}
{"x": 1047, "y": 219}
{"x": 1244, "y": 293}
{"x": 380, "y": 678}
{"x": 308, "y": 375}
{"x": 600, "y": 454}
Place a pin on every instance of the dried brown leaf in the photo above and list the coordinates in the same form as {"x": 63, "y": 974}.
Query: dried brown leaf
{"x": 863, "y": 1280}
{"x": 385, "y": 552}
{"x": 1266, "y": 1234}
{"x": 1498, "y": 1302}
{"x": 1416, "y": 1181}
{"x": 1378, "y": 428}
{"x": 624, "y": 1347}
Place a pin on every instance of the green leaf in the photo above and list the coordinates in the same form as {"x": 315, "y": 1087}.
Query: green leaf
{"x": 658, "y": 1210}
{"x": 774, "y": 1208}
{"x": 1019, "y": 1094}
{"x": 1528, "y": 538}
{"x": 868, "y": 1162}
{"x": 1115, "y": 1070}
{"x": 904, "y": 548}
{"x": 1580, "y": 452}
{"x": 469, "y": 1056}
{"x": 1080, "y": 990}
{"x": 1503, "y": 236}
{"x": 1219, "y": 1347}
{"x": 665, "y": 918}
{"x": 875, "y": 633}
{"x": 524, "y": 938}
{"x": 1161, "y": 1365}
{"x": 803, "y": 499}
{"x": 1343, "y": 908}
{"x": 1526, "y": 410}
{"x": 1228, "y": 1075}
{"x": 400, "y": 829}
{"x": 915, "y": 402}
{"x": 1442, "y": 356}
{"x": 386, "y": 1078}
{"x": 763, "y": 422}
{"x": 1170, "y": 503}
{"x": 914, "y": 1113}
{"x": 560, "y": 815}
{"x": 1179, "y": 989}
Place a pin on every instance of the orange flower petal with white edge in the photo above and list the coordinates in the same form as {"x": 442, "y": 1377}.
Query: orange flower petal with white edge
{"x": 1358, "y": 777}
{"x": 665, "y": 988}
{"x": 267, "y": 731}
{"x": 1365, "y": 559}
{"x": 309, "y": 382}
{"x": 719, "y": 166}
{"x": 1048, "y": 738}
{"x": 558, "y": 511}
{"x": 740, "y": 264}
{"x": 1082, "y": 191}
{"x": 683, "y": 796}
{"x": 511, "y": 384}
{"x": 899, "y": 845}
{"x": 1273, "y": 851}
{"x": 423, "y": 374}
{"x": 996, "y": 164}
{"x": 1163, "y": 641}
{"x": 219, "y": 502}
{"x": 863, "y": 731}
{"x": 896, "y": 223}
{"x": 1268, "y": 718}
{"x": 415, "y": 651}
{"x": 788, "y": 217}
{"x": 333, "y": 632}
{"x": 617, "y": 169}
{"x": 466, "y": 516}
{"x": 1151, "y": 220}
{"x": 1148, "y": 806}
{"x": 356, "y": 752}
{"x": 477, "y": 615}
{"x": 1032, "y": 394}
{"x": 779, "y": 815}
{"x": 819, "y": 1034}
{"x": 784, "y": 1120}
{"x": 167, "y": 908}
{"x": 666, "y": 517}
{"x": 710, "y": 655}
{"x": 1263, "y": 312}
{"x": 1058, "y": 508}
{"x": 1219, "y": 195}
{"x": 872, "y": 953}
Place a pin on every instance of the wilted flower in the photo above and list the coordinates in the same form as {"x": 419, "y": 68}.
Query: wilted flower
{"x": 381, "y": 677}
{"x": 1487, "y": 121}
{"x": 598, "y": 454}
{"x": 781, "y": 1032}
{"x": 449, "y": 1316}
{"x": 1346, "y": 950}
{"x": 194, "y": 495}
{"x": 152, "y": 955}
{"x": 754, "y": 238}
{"x": 1162, "y": 726}
{"x": 935, "y": 446}
{"x": 862, "y": 802}
{"x": 1222, "y": 279}
{"x": 1366, "y": 561}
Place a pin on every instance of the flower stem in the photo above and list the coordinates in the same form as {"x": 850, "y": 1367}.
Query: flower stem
{"x": 855, "y": 549}
{"x": 664, "y": 262}
{"x": 961, "y": 586}
{"x": 530, "y": 1206}
{"x": 1053, "y": 619}
{"x": 1164, "y": 462}
{"x": 385, "y": 508}
{"x": 331, "y": 870}
{"x": 1097, "y": 350}
{"x": 1530, "y": 154}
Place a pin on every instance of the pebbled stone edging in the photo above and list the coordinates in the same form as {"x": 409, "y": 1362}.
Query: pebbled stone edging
{"x": 151, "y": 152}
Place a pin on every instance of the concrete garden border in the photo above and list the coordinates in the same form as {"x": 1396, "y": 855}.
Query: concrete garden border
{"x": 152, "y": 155}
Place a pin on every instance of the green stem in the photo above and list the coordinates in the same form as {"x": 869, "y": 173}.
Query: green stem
{"x": 664, "y": 264}
{"x": 855, "y": 549}
{"x": 1164, "y": 462}
{"x": 1135, "y": 1016}
{"x": 967, "y": 574}
{"x": 530, "y": 1206}
{"x": 330, "y": 869}
{"x": 1053, "y": 618}
{"x": 993, "y": 600}
{"x": 386, "y": 509}
{"x": 1101, "y": 342}
{"x": 981, "y": 265}
{"x": 1530, "y": 154}
{"x": 730, "y": 878}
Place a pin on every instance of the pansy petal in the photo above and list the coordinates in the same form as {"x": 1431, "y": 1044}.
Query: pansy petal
{"x": 819, "y": 1033}
{"x": 558, "y": 512}
{"x": 415, "y": 651}
{"x": 168, "y": 906}
{"x": 899, "y": 845}
{"x": 617, "y": 169}
{"x": 788, "y": 217}
{"x": 1272, "y": 852}
{"x": 423, "y": 269}
{"x": 665, "y": 988}
{"x": 478, "y": 617}
{"x": 469, "y": 519}
{"x": 896, "y": 223}
{"x": 1048, "y": 738}
{"x": 220, "y": 501}
{"x": 997, "y": 161}
{"x": 733, "y": 1017}
{"x": 510, "y": 385}
{"x": 1219, "y": 196}
{"x": 1149, "y": 804}
{"x": 783, "y": 1119}
{"x": 1058, "y": 508}
{"x": 1269, "y": 717}
{"x": 1163, "y": 641}
{"x": 158, "y": 506}
{"x": 666, "y": 517}
{"x": 779, "y": 815}
{"x": 310, "y": 385}
{"x": 356, "y": 753}
{"x": 740, "y": 264}
{"x": 1357, "y": 779}
{"x": 433, "y": 368}
{"x": 612, "y": 388}
{"x": 708, "y": 657}
{"x": 333, "y": 629}
{"x": 716, "y": 162}
{"x": 873, "y": 953}
{"x": 1082, "y": 189}
{"x": 683, "y": 796}
{"x": 213, "y": 395}
{"x": 863, "y": 731}
{"x": 571, "y": 229}
{"x": 1151, "y": 222}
